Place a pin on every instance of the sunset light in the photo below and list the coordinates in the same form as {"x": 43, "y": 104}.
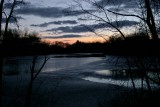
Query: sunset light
{"x": 60, "y": 20}
{"x": 79, "y": 53}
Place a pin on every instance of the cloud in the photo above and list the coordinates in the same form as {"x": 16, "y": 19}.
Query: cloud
{"x": 87, "y": 28}
{"x": 119, "y": 24}
{"x": 55, "y": 22}
{"x": 41, "y": 11}
{"x": 49, "y": 12}
{"x": 64, "y": 36}
{"x": 127, "y": 3}
{"x": 12, "y": 20}
{"x": 8, "y": 5}
{"x": 70, "y": 29}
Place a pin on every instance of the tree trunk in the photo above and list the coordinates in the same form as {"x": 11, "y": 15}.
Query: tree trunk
{"x": 1, "y": 58}
{"x": 1, "y": 71}
{"x": 29, "y": 93}
{"x": 1, "y": 11}
{"x": 150, "y": 20}
{"x": 8, "y": 19}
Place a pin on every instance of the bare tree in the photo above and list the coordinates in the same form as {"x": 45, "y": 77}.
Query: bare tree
{"x": 149, "y": 11}
{"x": 103, "y": 17}
{"x": 2, "y": 35}
{"x": 1, "y": 59}
{"x": 8, "y": 18}
{"x": 33, "y": 75}
{"x": 147, "y": 16}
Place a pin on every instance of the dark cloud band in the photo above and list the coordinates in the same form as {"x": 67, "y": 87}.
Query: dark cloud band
{"x": 56, "y": 23}
{"x": 116, "y": 2}
{"x": 8, "y": 5}
{"x": 64, "y": 36}
{"x": 49, "y": 12}
{"x": 84, "y": 28}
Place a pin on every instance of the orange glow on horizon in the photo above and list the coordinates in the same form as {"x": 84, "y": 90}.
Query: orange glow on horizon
{"x": 73, "y": 40}
{"x": 91, "y": 37}
{"x": 88, "y": 39}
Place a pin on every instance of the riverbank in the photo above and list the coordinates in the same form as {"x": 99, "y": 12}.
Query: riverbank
{"x": 58, "y": 91}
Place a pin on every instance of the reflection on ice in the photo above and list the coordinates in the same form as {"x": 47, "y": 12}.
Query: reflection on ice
{"x": 103, "y": 72}
{"x": 109, "y": 81}
{"x": 124, "y": 83}
{"x": 115, "y": 77}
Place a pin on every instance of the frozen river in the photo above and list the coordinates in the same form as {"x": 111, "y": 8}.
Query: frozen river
{"x": 97, "y": 69}
{"x": 108, "y": 69}
{"x": 61, "y": 63}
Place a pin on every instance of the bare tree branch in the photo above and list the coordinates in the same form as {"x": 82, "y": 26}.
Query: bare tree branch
{"x": 149, "y": 20}
{"x": 95, "y": 32}
{"x": 9, "y": 17}
{"x": 100, "y": 18}
{"x": 44, "y": 62}
{"x": 122, "y": 14}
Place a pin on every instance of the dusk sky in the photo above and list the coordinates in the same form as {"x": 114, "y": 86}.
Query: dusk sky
{"x": 63, "y": 20}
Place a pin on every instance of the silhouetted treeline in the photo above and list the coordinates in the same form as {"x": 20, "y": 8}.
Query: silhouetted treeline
{"x": 23, "y": 48}
{"x": 16, "y": 43}
{"x": 140, "y": 45}
{"x": 81, "y": 47}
